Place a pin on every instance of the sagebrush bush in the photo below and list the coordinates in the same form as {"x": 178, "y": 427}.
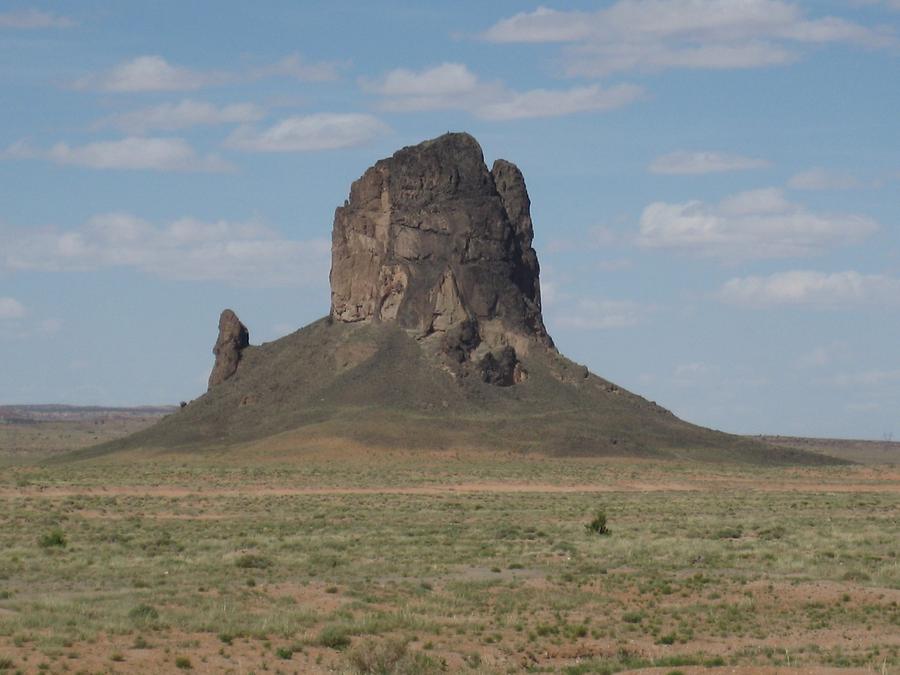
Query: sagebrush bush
{"x": 334, "y": 637}
{"x": 251, "y": 561}
{"x": 598, "y": 524}
{"x": 143, "y": 613}
{"x": 54, "y": 538}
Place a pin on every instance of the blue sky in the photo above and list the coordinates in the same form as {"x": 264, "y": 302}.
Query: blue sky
{"x": 714, "y": 185}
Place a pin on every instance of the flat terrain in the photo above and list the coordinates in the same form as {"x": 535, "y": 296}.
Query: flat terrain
{"x": 27, "y": 431}
{"x": 480, "y": 565}
{"x": 342, "y": 561}
{"x": 864, "y": 452}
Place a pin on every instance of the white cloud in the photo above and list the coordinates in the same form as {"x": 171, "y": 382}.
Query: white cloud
{"x": 694, "y": 163}
{"x": 186, "y": 113}
{"x": 753, "y": 224}
{"x": 662, "y": 34}
{"x": 246, "y": 254}
{"x": 29, "y": 19}
{"x": 134, "y": 152}
{"x": 443, "y": 80}
{"x": 453, "y": 86}
{"x": 296, "y": 67}
{"x": 823, "y": 179}
{"x": 594, "y": 238}
{"x": 152, "y": 72}
{"x": 558, "y": 102}
{"x": 320, "y": 131}
{"x": 149, "y": 73}
{"x": 591, "y": 314}
{"x": 10, "y": 308}
{"x": 816, "y": 289}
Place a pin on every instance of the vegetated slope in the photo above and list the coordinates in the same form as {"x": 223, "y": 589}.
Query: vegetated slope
{"x": 374, "y": 385}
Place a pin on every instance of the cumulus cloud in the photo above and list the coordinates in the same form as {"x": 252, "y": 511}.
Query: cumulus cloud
{"x": 695, "y": 163}
{"x": 186, "y": 113}
{"x": 133, "y": 152}
{"x": 298, "y": 68}
{"x": 663, "y": 34}
{"x": 600, "y": 314}
{"x": 10, "y": 308}
{"x": 320, "y": 131}
{"x": 246, "y": 254}
{"x": 453, "y": 86}
{"x": 811, "y": 288}
{"x": 823, "y": 179}
{"x": 443, "y": 80}
{"x": 149, "y": 73}
{"x": 753, "y": 224}
{"x": 31, "y": 19}
{"x": 152, "y": 72}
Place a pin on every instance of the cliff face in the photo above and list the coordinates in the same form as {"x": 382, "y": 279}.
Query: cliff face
{"x": 434, "y": 241}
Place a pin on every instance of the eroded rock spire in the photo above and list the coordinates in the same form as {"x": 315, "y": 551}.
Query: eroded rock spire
{"x": 233, "y": 339}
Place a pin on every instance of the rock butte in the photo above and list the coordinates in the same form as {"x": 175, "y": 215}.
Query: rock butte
{"x": 434, "y": 340}
{"x": 434, "y": 241}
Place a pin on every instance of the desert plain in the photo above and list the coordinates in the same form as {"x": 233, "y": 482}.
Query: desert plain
{"x": 344, "y": 559}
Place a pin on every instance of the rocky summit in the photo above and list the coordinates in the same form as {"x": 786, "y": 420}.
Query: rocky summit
{"x": 434, "y": 340}
{"x": 435, "y": 241}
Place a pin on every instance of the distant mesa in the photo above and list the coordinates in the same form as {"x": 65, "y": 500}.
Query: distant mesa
{"x": 435, "y": 339}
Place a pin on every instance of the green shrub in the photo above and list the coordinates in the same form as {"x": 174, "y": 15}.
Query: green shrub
{"x": 598, "y": 524}
{"x": 729, "y": 533}
{"x": 144, "y": 613}
{"x": 251, "y": 561}
{"x": 285, "y": 653}
{"x": 391, "y": 657}
{"x": 54, "y": 538}
{"x": 376, "y": 658}
{"x": 183, "y": 662}
{"x": 632, "y": 617}
{"x": 334, "y": 637}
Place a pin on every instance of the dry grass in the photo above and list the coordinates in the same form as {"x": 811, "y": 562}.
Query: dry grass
{"x": 446, "y": 561}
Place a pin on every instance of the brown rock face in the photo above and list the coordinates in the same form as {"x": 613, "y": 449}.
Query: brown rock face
{"x": 233, "y": 339}
{"x": 431, "y": 239}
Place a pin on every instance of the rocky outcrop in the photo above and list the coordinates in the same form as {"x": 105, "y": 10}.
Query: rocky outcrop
{"x": 233, "y": 339}
{"x": 431, "y": 239}
{"x": 501, "y": 368}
